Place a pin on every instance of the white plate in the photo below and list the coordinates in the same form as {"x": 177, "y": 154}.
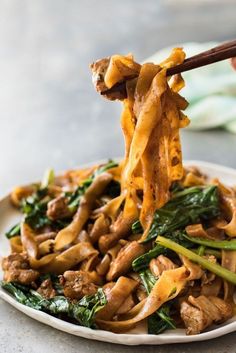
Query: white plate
{"x": 9, "y": 216}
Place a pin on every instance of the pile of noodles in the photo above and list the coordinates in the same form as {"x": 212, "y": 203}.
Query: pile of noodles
{"x": 151, "y": 119}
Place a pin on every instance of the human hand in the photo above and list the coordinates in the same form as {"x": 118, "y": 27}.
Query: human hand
{"x": 233, "y": 62}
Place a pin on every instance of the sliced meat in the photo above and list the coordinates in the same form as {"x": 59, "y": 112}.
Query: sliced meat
{"x": 58, "y": 208}
{"x": 17, "y": 269}
{"x": 160, "y": 264}
{"x": 199, "y": 313}
{"x": 119, "y": 69}
{"x": 99, "y": 69}
{"x": 121, "y": 229}
{"x": 77, "y": 284}
{"x": 46, "y": 289}
{"x": 124, "y": 259}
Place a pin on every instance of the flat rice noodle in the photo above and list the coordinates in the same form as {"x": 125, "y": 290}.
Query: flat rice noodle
{"x": 149, "y": 115}
{"x": 119, "y": 69}
{"x": 228, "y": 260}
{"x": 112, "y": 208}
{"x": 116, "y": 172}
{"x": 46, "y": 247}
{"x": 89, "y": 263}
{"x": 28, "y": 240}
{"x": 43, "y": 262}
{"x": 230, "y": 228}
{"x": 116, "y": 297}
{"x": 73, "y": 178}
{"x": 16, "y": 244}
{"x": 176, "y": 57}
{"x": 195, "y": 271}
{"x": 228, "y": 205}
{"x": 193, "y": 180}
{"x": 197, "y": 230}
{"x": 103, "y": 267}
{"x": 155, "y": 173}
{"x": 70, "y": 258}
{"x": 68, "y": 234}
{"x": 167, "y": 287}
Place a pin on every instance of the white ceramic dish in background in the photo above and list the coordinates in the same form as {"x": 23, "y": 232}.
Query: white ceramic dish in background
{"x": 9, "y": 216}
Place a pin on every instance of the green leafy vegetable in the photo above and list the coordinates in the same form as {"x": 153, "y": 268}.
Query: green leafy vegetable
{"x": 161, "y": 319}
{"x": 55, "y": 281}
{"x": 148, "y": 280}
{"x": 203, "y": 262}
{"x": 83, "y": 311}
{"x": 142, "y": 261}
{"x": 15, "y": 230}
{"x": 35, "y": 208}
{"x": 104, "y": 168}
{"x": 186, "y": 207}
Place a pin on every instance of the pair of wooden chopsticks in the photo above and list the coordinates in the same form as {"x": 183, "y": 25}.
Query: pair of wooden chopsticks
{"x": 219, "y": 53}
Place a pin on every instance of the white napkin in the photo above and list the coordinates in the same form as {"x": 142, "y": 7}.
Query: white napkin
{"x": 210, "y": 90}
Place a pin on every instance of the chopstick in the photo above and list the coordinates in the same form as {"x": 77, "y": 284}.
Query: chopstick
{"x": 219, "y": 53}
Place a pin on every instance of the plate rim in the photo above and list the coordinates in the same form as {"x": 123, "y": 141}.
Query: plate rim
{"x": 126, "y": 338}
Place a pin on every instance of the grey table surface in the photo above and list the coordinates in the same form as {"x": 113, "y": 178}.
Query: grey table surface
{"x": 51, "y": 116}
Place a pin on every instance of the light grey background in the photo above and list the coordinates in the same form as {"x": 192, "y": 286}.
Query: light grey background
{"x": 51, "y": 116}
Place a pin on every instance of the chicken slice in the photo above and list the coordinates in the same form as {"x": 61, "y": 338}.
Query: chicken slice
{"x": 201, "y": 312}
{"x": 77, "y": 284}
{"x": 46, "y": 289}
{"x": 16, "y": 268}
{"x": 160, "y": 264}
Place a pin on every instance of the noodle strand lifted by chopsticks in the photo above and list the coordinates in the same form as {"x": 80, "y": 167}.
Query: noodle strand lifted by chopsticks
{"x": 150, "y": 121}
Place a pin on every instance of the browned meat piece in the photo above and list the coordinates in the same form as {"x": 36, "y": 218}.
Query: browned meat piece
{"x": 124, "y": 259}
{"x": 99, "y": 69}
{"x": 100, "y": 227}
{"x": 124, "y": 68}
{"x": 58, "y": 209}
{"x": 77, "y": 284}
{"x": 121, "y": 229}
{"x": 199, "y": 313}
{"x": 160, "y": 264}
{"x": 17, "y": 269}
{"x": 46, "y": 289}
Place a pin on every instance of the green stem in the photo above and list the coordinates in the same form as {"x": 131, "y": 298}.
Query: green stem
{"x": 48, "y": 178}
{"x": 201, "y": 250}
{"x": 217, "y": 244}
{"x": 213, "y": 267}
{"x": 208, "y": 251}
